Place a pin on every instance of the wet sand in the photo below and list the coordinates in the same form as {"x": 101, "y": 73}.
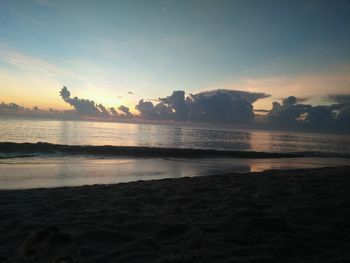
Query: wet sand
{"x": 273, "y": 216}
{"x": 53, "y": 172}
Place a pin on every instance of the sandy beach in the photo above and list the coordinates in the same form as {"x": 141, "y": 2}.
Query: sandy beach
{"x": 273, "y": 216}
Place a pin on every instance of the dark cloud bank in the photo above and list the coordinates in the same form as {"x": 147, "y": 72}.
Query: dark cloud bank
{"x": 292, "y": 114}
{"x": 216, "y": 106}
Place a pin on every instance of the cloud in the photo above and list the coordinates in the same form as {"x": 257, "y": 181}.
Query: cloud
{"x": 320, "y": 116}
{"x": 215, "y": 106}
{"x": 223, "y": 106}
{"x": 86, "y": 107}
{"x": 340, "y": 98}
{"x": 293, "y": 114}
{"x": 104, "y": 112}
{"x": 234, "y": 95}
{"x": 289, "y": 101}
{"x": 11, "y": 107}
{"x": 288, "y": 113}
{"x": 163, "y": 111}
{"x": 310, "y": 86}
{"x": 146, "y": 108}
{"x": 220, "y": 106}
{"x": 82, "y": 106}
{"x": 126, "y": 111}
{"x": 29, "y": 63}
{"x": 113, "y": 112}
{"x": 178, "y": 105}
{"x": 344, "y": 116}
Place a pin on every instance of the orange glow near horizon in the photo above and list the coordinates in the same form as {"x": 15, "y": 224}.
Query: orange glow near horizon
{"x": 32, "y": 89}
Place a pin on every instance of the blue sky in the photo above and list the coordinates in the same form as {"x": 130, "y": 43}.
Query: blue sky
{"x": 103, "y": 49}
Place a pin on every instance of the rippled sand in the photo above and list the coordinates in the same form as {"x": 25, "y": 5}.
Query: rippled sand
{"x": 279, "y": 216}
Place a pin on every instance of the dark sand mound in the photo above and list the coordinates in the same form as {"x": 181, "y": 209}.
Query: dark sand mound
{"x": 280, "y": 216}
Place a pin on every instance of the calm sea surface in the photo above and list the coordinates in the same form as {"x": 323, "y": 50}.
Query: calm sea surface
{"x": 46, "y": 171}
{"x": 120, "y": 134}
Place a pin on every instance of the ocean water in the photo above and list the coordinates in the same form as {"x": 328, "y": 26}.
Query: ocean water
{"x": 57, "y": 171}
{"x": 122, "y": 134}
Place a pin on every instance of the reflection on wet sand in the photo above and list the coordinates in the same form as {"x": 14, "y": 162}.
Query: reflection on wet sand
{"x": 58, "y": 172}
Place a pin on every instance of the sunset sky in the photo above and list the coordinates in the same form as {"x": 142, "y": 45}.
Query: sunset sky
{"x": 118, "y": 52}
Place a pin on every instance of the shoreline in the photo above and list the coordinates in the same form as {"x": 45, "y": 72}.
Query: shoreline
{"x": 51, "y": 172}
{"x": 281, "y": 215}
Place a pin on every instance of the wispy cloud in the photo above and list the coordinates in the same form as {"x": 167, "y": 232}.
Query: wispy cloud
{"x": 30, "y": 63}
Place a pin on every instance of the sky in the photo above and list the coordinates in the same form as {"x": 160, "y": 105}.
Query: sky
{"x": 118, "y": 52}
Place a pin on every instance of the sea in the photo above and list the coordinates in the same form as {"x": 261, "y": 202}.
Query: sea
{"x": 42, "y": 170}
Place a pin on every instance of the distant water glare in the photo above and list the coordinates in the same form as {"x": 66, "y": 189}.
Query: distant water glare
{"x": 122, "y": 134}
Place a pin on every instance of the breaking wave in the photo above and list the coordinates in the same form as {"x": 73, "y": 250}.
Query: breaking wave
{"x": 18, "y": 150}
